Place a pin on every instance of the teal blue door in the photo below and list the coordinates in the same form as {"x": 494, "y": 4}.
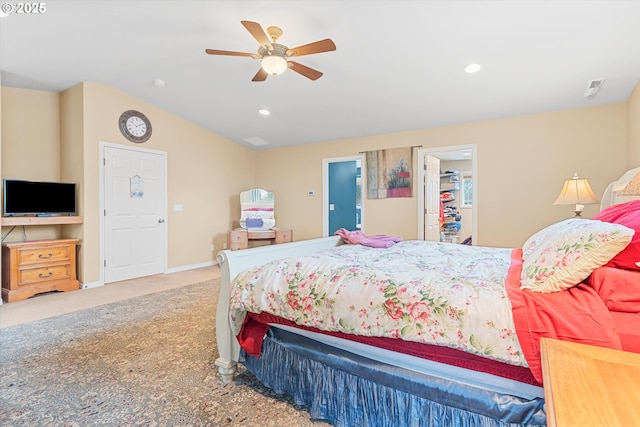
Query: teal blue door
{"x": 343, "y": 212}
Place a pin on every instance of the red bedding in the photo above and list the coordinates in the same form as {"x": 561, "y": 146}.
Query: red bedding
{"x": 577, "y": 314}
{"x": 618, "y": 288}
{"x": 627, "y": 326}
{"x": 256, "y": 325}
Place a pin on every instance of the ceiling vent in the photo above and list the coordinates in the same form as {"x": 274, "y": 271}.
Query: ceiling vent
{"x": 593, "y": 86}
{"x": 256, "y": 140}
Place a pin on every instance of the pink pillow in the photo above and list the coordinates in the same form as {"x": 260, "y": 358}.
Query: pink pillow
{"x": 627, "y": 214}
{"x": 618, "y": 288}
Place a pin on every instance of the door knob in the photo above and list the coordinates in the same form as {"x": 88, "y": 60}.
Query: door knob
{"x": 160, "y": 220}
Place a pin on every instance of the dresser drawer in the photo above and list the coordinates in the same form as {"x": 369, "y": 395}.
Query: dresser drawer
{"x": 283, "y": 235}
{"x": 237, "y": 239}
{"x": 32, "y": 275}
{"x": 27, "y": 256}
{"x": 38, "y": 266}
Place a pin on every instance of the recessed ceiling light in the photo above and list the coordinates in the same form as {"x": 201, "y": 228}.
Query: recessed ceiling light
{"x": 472, "y": 68}
{"x": 159, "y": 83}
{"x": 264, "y": 111}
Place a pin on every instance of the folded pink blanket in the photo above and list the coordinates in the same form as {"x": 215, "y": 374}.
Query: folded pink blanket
{"x": 359, "y": 238}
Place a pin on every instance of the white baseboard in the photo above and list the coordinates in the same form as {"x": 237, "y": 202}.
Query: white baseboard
{"x": 169, "y": 271}
{"x": 190, "y": 267}
{"x": 92, "y": 285}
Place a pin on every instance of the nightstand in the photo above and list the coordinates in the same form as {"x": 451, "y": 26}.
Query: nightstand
{"x": 37, "y": 266}
{"x": 590, "y": 386}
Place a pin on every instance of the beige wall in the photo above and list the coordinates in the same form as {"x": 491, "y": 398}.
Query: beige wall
{"x": 31, "y": 145}
{"x": 633, "y": 128}
{"x": 522, "y": 163}
{"x": 71, "y": 158}
{"x": 1, "y": 158}
{"x": 206, "y": 172}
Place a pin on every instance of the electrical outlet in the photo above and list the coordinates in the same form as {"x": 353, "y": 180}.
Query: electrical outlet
{"x": 213, "y": 248}
{"x": 224, "y": 246}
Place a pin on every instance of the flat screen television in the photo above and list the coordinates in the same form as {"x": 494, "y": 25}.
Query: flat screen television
{"x": 38, "y": 198}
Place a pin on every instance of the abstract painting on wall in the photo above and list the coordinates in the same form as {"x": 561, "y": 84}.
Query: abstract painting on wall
{"x": 389, "y": 173}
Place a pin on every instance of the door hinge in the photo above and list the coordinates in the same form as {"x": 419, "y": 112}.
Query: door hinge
{"x": 105, "y": 262}
{"x": 104, "y": 161}
{"x": 105, "y": 213}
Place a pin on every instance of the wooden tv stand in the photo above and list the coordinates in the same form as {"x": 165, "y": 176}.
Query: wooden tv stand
{"x": 37, "y": 266}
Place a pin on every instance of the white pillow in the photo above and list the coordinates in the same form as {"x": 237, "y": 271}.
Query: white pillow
{"x": 565, "y": 253}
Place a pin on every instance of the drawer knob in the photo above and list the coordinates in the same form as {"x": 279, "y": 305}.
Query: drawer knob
{"x": 49, "y": 255}
{"x": 42, "y": 276}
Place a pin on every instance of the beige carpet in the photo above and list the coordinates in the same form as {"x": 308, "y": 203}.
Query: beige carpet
{"x": 51, "y": 304}
{"x": 146, "y": 360}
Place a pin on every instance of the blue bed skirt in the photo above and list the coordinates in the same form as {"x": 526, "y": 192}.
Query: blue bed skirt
{"x": 349, "y": 390}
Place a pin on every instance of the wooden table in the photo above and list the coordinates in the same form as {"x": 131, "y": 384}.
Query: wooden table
{"x": 590, "y": 386}
{"x": 240, "y": 237}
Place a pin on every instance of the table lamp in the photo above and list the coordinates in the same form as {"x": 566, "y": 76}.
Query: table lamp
{"x": 576, "y": 191}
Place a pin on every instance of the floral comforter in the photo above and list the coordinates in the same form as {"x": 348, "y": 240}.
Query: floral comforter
{"x": 434, "y": 293}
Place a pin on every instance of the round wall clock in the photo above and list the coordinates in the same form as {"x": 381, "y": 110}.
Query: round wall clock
{"x": 135, "y": 126}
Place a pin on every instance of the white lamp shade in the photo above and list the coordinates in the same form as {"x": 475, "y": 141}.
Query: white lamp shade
{"x": 576, "y": 191}
{"x": 274, "y": 64}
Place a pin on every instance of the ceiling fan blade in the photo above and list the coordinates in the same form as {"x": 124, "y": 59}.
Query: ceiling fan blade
{"x": 309, "y": 73}
{"x": 258, "y": 33}
{"x": 260, "y": 76}
{"x": 227, "y": 52}
{"x": 320, "y": 46}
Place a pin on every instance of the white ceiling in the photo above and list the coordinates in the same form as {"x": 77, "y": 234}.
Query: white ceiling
{"x": 398, "y": 64}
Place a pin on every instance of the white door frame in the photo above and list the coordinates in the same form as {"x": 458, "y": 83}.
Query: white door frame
{"x": 104, "y": 145}
{"x": 431, "y": 191}
{"x": 420, "y": 189}
{"x": 325, "y": 189}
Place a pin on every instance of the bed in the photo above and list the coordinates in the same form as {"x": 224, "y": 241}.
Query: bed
{"x": 367, "y": 345}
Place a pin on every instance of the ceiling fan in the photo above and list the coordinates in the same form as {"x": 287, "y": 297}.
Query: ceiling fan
{"x": 274, "y": 57}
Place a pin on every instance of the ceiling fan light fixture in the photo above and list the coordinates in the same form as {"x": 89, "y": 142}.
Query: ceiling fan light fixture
{"x": 274, "y": 64}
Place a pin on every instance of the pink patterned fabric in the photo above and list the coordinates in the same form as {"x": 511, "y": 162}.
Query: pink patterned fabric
{"x": 425, "y": 292}
{"x": 359, "y": 238}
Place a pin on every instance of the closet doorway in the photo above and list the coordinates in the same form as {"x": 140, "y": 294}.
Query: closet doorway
{"x": 461, "y": 163}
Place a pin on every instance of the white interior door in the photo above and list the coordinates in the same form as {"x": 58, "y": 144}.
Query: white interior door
{"x": 134, "y": 213}
{"x": 432, "y": 198}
